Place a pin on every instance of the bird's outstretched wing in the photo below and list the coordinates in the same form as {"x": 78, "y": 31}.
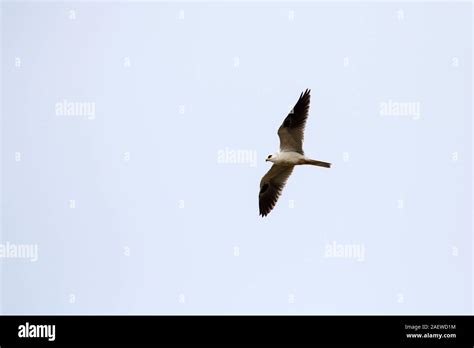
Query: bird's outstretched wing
{"x": 271, "y": 186}
{"x": 291, "y": 132}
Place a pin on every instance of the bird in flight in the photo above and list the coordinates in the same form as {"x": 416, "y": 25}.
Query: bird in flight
{"x": 291, "y": 134}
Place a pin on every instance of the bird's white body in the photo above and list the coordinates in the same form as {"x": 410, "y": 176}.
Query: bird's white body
{"x": 287, "y": 158}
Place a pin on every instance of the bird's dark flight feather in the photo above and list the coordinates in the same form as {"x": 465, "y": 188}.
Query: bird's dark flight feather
{"x": 271, "y": 187}
{"x": 291, "y": 132}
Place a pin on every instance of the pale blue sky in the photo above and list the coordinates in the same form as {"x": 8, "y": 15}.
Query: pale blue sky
{"x": 157, "y": 224}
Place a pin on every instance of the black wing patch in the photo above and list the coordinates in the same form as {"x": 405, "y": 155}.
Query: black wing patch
{"x": 271, "y": 187}
{"x": 291, "y": 132}
{"x": 268, "y": 197}
{"x": 298, "y": 116}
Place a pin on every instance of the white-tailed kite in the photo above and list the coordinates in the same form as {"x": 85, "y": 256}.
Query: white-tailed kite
{"x": 291, "y": 134}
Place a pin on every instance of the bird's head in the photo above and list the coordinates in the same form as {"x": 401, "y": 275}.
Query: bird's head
{"x": 271, "y": 158}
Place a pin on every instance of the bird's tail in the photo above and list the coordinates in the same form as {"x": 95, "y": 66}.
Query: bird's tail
{"x": 317, "y": 163}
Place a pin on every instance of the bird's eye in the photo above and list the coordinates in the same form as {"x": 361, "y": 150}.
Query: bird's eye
{"x": 269, "y": 156}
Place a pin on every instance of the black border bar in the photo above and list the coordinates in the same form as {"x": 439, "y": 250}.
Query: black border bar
{"x": 289, "y": 330}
